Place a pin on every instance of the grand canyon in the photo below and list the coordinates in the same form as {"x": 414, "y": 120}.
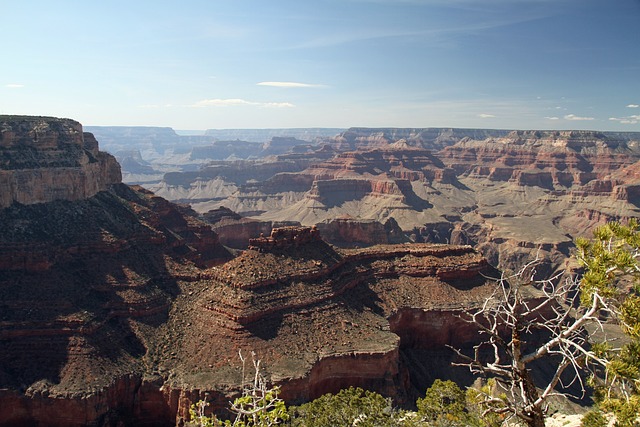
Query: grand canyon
{"x": 130, "y": 281}
{"x": 507, "y": 193}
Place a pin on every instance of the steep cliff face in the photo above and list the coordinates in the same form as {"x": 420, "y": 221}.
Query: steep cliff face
{"x": 86, "y": 279}
{"x": 45, "y": 159}
{"x": 546, "y": 159}
{"x": 350, "y": 233}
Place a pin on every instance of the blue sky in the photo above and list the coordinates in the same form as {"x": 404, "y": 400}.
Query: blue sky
{"x": 199, "y": 64}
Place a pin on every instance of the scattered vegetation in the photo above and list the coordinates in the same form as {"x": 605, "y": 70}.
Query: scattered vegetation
{"x": 352, "y": 406}
{"x": 259, "y": 405}
{"x": 444, "y": 405}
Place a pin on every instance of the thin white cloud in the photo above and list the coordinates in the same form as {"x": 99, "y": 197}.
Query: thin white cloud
{"x": 552, "y": 118}
{"x": 288, "y": 84}
{"x": 577, "y": 118}
{"x": 633, "y": 106}
{"x": 486, "y": 116}
{"x": 234, "y": 102}
{"x": 277, "y": 104}
{"x": 629, "y": 120}
{"x": 433, "y": 32}
{"x": 14, "y": 85}
{"x": 217, "y": 102}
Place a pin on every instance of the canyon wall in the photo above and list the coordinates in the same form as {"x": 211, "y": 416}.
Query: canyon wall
{"x": 45, "y": 159}
{"x": 120, "y": 307}
{"x": 510, "y": 193}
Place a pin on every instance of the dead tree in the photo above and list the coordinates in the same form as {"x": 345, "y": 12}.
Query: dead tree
{"x": 525, "y": 321}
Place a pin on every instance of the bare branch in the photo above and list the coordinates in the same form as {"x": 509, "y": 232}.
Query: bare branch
{"x": 519, "y": 310}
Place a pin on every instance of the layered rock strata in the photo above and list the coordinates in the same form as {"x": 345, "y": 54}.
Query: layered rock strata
{"x": 45, "y": 159}
{"x": 88, "y": 272}
{"x": 320, "y": 318}
{"x": 120, "y": 307}
{"x": 514, "y": 194}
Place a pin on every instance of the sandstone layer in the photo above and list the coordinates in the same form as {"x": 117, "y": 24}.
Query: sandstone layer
{"x": 45, "y": 159}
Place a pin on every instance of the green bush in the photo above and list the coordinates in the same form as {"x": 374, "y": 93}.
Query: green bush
{"x": 352, "y": 406}
{"x": 594, "y": 418}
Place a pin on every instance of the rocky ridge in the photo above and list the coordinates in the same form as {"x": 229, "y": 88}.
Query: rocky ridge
{"x": 321, "y": 318}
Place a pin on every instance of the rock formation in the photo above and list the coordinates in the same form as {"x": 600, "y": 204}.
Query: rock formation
{"x": 349, "y": 233}
{"x": 45, "y": 159}
{"x": 322, "y": 319}
{"x": 508, "y": 192}
{"x": 119, "y": 307}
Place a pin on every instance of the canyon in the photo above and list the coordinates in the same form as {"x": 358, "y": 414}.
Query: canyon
{"x": 510, "y": 194}
{"x": 119, "y": 307}
{"x": 338, "y": 261}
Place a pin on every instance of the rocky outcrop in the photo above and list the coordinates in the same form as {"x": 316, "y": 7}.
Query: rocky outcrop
{"x": 546, "y": 159}
{"x": 235, "y": 231}
{"x": 319, "y": 317}
{"x": 85, "y": 287}
{"x": 353, "y": 233}
{"x": 86, "y": 278}
{"x": 45, "y": 159}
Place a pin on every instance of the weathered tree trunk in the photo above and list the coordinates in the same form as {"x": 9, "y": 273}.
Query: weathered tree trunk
{"x": 533, "y": 414}
{"x": 536, "y": 418}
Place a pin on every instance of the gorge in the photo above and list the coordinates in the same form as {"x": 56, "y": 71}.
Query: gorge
{"x": 507, "y": 193}
{"x": 119, "y": 307}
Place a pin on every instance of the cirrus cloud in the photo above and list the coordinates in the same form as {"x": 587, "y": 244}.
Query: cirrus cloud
{"x": 633, "y": 106}
{"x": 235, "y": 102}
{"x": 577, "y": 118}
{"x": 486, "y": 116}
{"x": 14, "y": 85}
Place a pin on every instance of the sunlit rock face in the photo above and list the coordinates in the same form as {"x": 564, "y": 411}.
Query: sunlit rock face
{"x": 45, "y": 159}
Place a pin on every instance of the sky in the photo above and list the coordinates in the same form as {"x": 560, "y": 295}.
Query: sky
{"x": 216, "y": 64}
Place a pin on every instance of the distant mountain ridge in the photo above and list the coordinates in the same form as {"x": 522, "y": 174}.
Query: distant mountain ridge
{"x": 503, "y": 191}
{"x": 263, "y": 135}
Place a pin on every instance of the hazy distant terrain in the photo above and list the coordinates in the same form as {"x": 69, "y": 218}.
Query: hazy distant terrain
{"x": 147, "y": 153}
{"x": 506, "y": 192}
